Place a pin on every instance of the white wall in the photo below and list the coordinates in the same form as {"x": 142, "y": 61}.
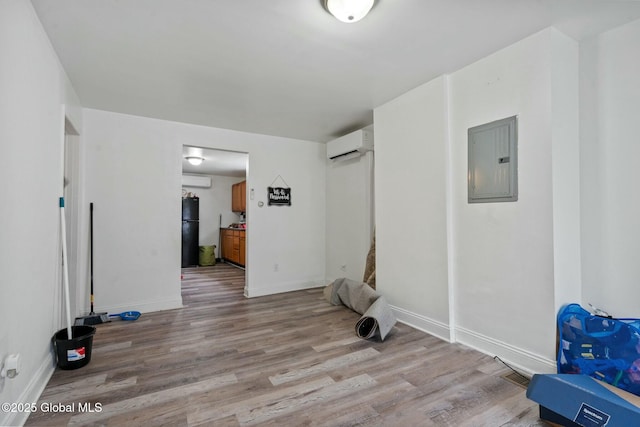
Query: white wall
{"x": 349, "y": 230}
{"x": 505, "y": 286}
{"x": 215, "y": 201}
{"x": 565, "y": 165}
{"x": 483, "y": 274}
{"x": 610, "y": 90}
{"x": 131, "y": 179}
{"x": 411, "y": 206}
{"x": 36, "y": 95}
{"x": 134, "y": 175}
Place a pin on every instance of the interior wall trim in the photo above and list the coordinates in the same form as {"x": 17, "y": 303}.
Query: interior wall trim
{"x": 422, "y": 323}
{"x": 259, "y": 291}
{"x": 32, "y": 391}
{"x": 522, "y": 360}
{"x": 144, "y": 307}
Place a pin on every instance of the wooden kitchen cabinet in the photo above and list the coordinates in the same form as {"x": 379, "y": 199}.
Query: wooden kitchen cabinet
{"x": 235, "y": 198}
{"x": 227, "y": 243}
{"x": 233, "y": 245}
{"x": 243, "y": 196}
{"x": 243, "y": 249}
{"x": 239, "y": 197}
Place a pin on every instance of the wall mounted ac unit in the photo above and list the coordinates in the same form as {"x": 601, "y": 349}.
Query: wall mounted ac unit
{"x": 201, "y": 181}
{"x": 351, "y": 145}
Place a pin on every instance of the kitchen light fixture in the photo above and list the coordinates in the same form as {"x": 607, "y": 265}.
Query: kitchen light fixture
{"x": 349, "y": 11}
{"x": 195, "y": 161}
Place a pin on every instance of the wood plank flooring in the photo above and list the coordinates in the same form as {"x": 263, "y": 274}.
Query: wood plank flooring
{"x": 283, "y": 360}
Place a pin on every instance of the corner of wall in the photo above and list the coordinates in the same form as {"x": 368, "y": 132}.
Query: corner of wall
{"x": 525, "y": 361}
{"x": 31, "y": 393}
{"x": 565, "y": 168}
{"x": 423, "y": 323}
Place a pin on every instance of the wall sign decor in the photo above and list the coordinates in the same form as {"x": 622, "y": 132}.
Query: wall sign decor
{"x": 279, "y": 196}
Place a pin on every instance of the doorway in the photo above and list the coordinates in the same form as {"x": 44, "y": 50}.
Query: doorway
{"x": 211, "y": 178}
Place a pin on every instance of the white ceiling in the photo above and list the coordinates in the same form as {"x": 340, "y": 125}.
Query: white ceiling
{"x": 287, "y": 67}
{"x": 216, "y": 162}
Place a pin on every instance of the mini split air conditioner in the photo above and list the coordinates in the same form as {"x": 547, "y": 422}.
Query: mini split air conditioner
{"x": 201, "y": 181}
{"x": 351, "y": 145}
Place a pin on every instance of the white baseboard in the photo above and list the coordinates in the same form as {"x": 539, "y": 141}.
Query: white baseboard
{"x": 144, "y": 307}
{"x": 31, "y": 394}
{"x": 282, "y": 288}
{"x": 522, "y": 360}
{"x": 422, "y": 323}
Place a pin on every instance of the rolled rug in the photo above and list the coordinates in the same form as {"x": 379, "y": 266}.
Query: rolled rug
{"x": 378, "y": 318}
{"x": 361, "y": 298}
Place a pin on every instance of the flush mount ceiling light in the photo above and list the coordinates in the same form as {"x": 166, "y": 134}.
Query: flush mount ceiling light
{"x": 195, "y": 161}
{"x": 349, "y": 11}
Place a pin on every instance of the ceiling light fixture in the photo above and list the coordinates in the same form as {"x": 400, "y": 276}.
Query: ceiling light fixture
{"x": 349, "y": 11}
{"x": 195, "y": 161}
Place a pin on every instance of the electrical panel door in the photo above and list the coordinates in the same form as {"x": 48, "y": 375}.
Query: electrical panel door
{"x": 493, "y": 162}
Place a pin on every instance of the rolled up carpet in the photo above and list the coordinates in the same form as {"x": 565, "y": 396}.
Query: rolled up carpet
{"x": 377, "y": 316}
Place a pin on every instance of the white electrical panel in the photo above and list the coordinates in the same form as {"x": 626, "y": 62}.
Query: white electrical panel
{"x": 493, "y": 162}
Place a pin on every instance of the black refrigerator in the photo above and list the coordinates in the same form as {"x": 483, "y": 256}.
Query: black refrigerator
{"x": 190, "y": 243}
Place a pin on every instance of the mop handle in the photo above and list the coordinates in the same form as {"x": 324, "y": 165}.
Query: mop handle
{"x": 63, "y": 230}
{"x": 91, "y": 249}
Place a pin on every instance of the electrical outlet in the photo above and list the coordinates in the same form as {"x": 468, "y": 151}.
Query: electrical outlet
{"x": 275, "y": 267}
{"x": 11, "y": 366}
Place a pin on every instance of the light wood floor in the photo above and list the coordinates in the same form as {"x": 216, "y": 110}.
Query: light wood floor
{"x": 282, "y": 360}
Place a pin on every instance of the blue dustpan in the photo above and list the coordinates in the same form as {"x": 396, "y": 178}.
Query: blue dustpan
{"x": 127, "y": 315}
